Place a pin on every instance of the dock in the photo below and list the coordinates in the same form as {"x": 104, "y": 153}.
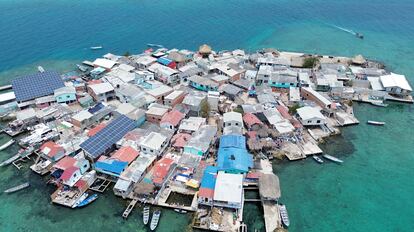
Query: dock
{"x": 102, "y": 186}
{"x": 271, "y": 216}
{"x": 129, "y": 209}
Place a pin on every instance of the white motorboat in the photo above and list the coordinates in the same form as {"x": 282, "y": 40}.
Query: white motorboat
{"x": 146, "y": 215}
{"x": 332, "y": 158}
{"x": 17, "y": 188}
{"x": 96, "y": 47}
{"x": 155, "y": 219}
{"x": 376, "y": 123}
{"x": 317, "y": 159}
{"x": 40, "y": 69}
{"x": 6, "y": 145}
{"x": 284, "y": 215}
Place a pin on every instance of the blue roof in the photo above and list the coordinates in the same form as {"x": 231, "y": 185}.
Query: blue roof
{"x": 36, "y": 85}
{"x": 236, "y": 141}
{"x": 108, "y": 136}
{"x": 164, "y": 61}
{"x": 209, "y": 177}
{"x": 234, "y": 159}
{"x": 96, "y": 108}
{"x": 111, "y": 166}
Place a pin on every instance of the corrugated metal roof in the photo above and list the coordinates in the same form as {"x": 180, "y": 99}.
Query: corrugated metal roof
{"x": 209, "y": 177}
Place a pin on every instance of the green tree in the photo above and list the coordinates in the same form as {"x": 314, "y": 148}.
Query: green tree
{"x": 239, "y": 109}
{"x": 127, "y": 53}
{"x": 292, "y": 109}
{"x": 310, "y": 62}
{"x": 204, "y": 109}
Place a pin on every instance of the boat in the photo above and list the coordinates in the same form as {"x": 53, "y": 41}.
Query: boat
{"x": 96, "y": 48}
{"x": 6, "y": 145}
{"x": 17, "y": 188}
{"x": 88, "y": 200}
{"x": 155, "y": 219}
{"x": 376, "y": 123}
{"x": 381, "y": 104}
{"x": 359, "y": 35}
{"x": 82, "y": 198}
{"x": 332, "y": 158}
{"x": 40, "y": 69}
{"x": 155, "y": 45}
{"x": 146, "y": 215}
{"x": 317, "y": 159}
{"x": 180, "y": 211}
{"x": 284, "y": 215}
{"x": 22, "y": 153}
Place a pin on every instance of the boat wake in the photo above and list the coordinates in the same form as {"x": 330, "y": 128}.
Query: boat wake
{"x": 348, "y": 31}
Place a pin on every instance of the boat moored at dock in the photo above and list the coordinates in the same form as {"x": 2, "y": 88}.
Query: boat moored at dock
{"x": 317, "y": 159}
{"x": 332, "y": 158}
{"x": 155, "y": 219}
{"x": 284, "y": 215}
{"x": 146, "y": 215}
{"x": 88, "y": 200}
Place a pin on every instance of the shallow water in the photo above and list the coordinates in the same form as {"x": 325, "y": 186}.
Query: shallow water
{"x": 371, "y": 191}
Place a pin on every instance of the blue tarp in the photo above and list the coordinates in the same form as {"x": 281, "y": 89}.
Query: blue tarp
{"x": 96, "y": 108}
{"x": 110, "y": 166}
{"x": 209, "y": 177}
{"x": 235, "y": 141}
{"x": 234, "y": 160}
{"x": 164, "y": 61}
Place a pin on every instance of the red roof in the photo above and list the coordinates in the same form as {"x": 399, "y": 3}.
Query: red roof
{"x": 67, "y": 174}
{"x": 251, "y": 119}
{"x": 283, "y": 111}
{"x": 65, "y": 163}
{"x": 126, "y": 154}
{"x": 253, "y": 175}
{"x": 161, "y": 169}
{"x": 180, "y": 140}
{"x": 252, "y": 134}
{"x": 96, "y": 129}
{"x": 80, "y": 184}
{"x": 173, "y": 117}
{"x": 205, "y": 192}
{"x": 94, "y": 82}
{"x": 51, "y": 149}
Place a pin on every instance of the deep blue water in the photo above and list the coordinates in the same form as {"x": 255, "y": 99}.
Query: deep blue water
{"x": 378, "y": 165}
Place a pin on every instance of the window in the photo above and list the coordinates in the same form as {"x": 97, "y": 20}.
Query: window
{"x": 144, "y": 149}
{"x": 319, "y": 121}
{"x": 237, "y": 124}
{"x": 67, "y": 96}
{"x": 309, "y": 121}
{"x": 152, "y": 151}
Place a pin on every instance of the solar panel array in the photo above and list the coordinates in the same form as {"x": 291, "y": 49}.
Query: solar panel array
{"x": 36, "y": 85}
{"x": 108, "y": 136}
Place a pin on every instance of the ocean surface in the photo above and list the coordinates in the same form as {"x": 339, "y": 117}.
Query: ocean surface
{"x": 371, "y": 191}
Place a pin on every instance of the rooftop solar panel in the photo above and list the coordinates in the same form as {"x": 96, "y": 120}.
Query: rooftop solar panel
{"x": 36, "y": 85}
{"x": 107, "y": 137}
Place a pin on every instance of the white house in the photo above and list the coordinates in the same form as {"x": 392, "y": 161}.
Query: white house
{"x": 154, "y": 144}
{"x": 396, "y": 84}
{"x": 228, "y": 191}
{"x": 102, "y": 92}
{"x": 71, "y": 175}
{"x": 233, "y": 119}
{"x": 310, "y": 116}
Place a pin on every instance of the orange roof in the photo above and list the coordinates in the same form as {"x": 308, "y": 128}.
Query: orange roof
{"x": 94, "y": 82}
{"x": 126, "y": 154}
{"x": 161, "y": 169}
{"x": 251, "y": 119}
{"x": 67, "y": 174}
{"x": 65, "y": 163}
{"x": 180, "y": 139}
{"x": 205, "y": 192}
{"x": 51, "y": 149}
{"x": 96, "y": 129}
{"x": 173, "y": 117}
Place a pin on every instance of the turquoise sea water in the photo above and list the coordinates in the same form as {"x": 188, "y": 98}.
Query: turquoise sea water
{"x": 371, "y": 191}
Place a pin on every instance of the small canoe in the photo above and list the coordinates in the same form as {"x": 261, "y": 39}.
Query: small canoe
{"x": 180, "y": 211}
{"x": 88, "y": 200}
{"x": 40, "y": 69}
{"x": 146, "y": 215}
{"x": 376, "y": 123}
{"x": 155, "y": 219}
{"x": 96, "y": 48}
{"x": 317, "y": 159}
{"x": 284, "y": 215}
{"x": 6, "y": 145}
{"x": 17, "y": 188}
{"x": 332, "y": 158}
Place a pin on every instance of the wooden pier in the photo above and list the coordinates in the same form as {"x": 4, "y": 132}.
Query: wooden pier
{"x": 129, "y": 209}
